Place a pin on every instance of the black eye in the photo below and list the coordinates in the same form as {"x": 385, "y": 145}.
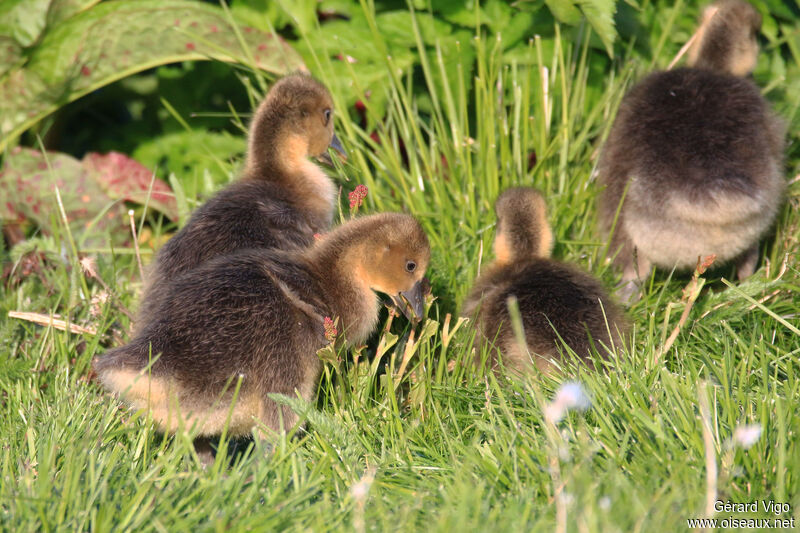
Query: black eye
{"x": 327, "y": 114}
{"x": 411, "y": 266}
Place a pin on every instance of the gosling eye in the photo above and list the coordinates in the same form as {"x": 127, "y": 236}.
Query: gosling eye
{"x": 327, "y": 114}
{"x": 411, "y": 266}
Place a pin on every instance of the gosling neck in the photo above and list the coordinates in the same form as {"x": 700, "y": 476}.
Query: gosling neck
{"x": 722, "y": 46}
{"x": 522, "y": 243}
{"x": 337, "y": 261}
{"x": 282, "y": 158}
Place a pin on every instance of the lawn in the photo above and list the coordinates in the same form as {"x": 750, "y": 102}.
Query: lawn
{"x": 407, "y": 433}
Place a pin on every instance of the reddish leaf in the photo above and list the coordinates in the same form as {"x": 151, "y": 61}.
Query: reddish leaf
{"x": 123, "y": 178}
{"x": 28, "y": 181}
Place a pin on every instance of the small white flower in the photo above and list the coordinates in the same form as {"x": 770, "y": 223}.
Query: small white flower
{"x": 604, "y": 503}
{"x": 360, "y": 490}
{"x": 569, "y": 395}
{"x": 554, "y": 412}
{"x": 746, "y": 435}
{"x": 97, "y": 302}
{"x": 572, "y": 396}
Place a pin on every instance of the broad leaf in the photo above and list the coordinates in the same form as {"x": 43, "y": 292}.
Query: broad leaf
{"x": 397, "y": 27}
{"x": 123, "y": 178}
{"x": 28, "y": 180}
{"x": 302, "y": 12}
{"x": 115, "y": 39}
{"x": 599, "y": 14}
{"x": 462, "y": 13}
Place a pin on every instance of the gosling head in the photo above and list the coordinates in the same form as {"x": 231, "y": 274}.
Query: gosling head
{"x": 726, "y": 40}
{"x": 522, "y": 228}
{"x": 294, "y": 122}
{"x": 395, "y": 258}
{"x": 387, "y": 253}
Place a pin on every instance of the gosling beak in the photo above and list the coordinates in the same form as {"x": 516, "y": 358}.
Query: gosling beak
{"x": 412, "y": 302}
{"x": 336, "y": 144}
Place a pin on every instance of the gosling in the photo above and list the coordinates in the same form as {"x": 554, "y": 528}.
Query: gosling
{"x": 558, "y": 303}
{"x": 693, "y": 163}
{"x": 282, "y": 200}
{"x": 253, "y": 321}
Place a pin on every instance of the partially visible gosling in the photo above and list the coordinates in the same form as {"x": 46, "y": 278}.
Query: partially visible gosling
{"x": 558, "y": 303}
{"x": 695, "y": 157}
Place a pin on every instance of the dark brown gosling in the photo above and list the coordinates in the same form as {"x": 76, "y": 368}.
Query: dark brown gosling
{"x": 694, "y": 158}
{"x": 256, "y": 316}
{"x": 558, "y": 303}
{"x": 282, "y": 199}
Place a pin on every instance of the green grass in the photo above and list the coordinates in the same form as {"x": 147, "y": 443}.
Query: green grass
{"x": 416, "y": 437}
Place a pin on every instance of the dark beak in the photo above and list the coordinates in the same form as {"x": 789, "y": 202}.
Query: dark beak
{"x": 336, "y": 144}
{"x": 412, "y": 302}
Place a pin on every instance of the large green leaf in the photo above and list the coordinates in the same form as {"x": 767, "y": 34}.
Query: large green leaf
{"x": 462, "y": 13}
{"x": 23, "y": 21}
{"x": 302, "y": 12}
{"x": 115, "y": 39}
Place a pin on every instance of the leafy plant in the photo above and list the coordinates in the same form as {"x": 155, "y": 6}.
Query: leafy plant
{"x": 403, "y": 40}
{"x": 87, "y": 191}
{"x": 199, "y": 159}
{"x": 28, "y": 183}
{"x": 58, "y": 51}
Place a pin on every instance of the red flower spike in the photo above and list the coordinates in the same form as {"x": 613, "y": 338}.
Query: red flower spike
{"x": 330, "y": 329}
{"x": 707, "y": 262}
{"x": 357, "y": 197}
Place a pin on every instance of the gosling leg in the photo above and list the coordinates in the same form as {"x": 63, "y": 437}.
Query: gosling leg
{"x": 746, "y": 263}
{"x": 636, "y": 268}
{"x": 205, "y": 452}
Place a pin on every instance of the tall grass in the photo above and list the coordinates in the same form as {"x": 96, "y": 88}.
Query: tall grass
{"x": 408, "y": 433}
